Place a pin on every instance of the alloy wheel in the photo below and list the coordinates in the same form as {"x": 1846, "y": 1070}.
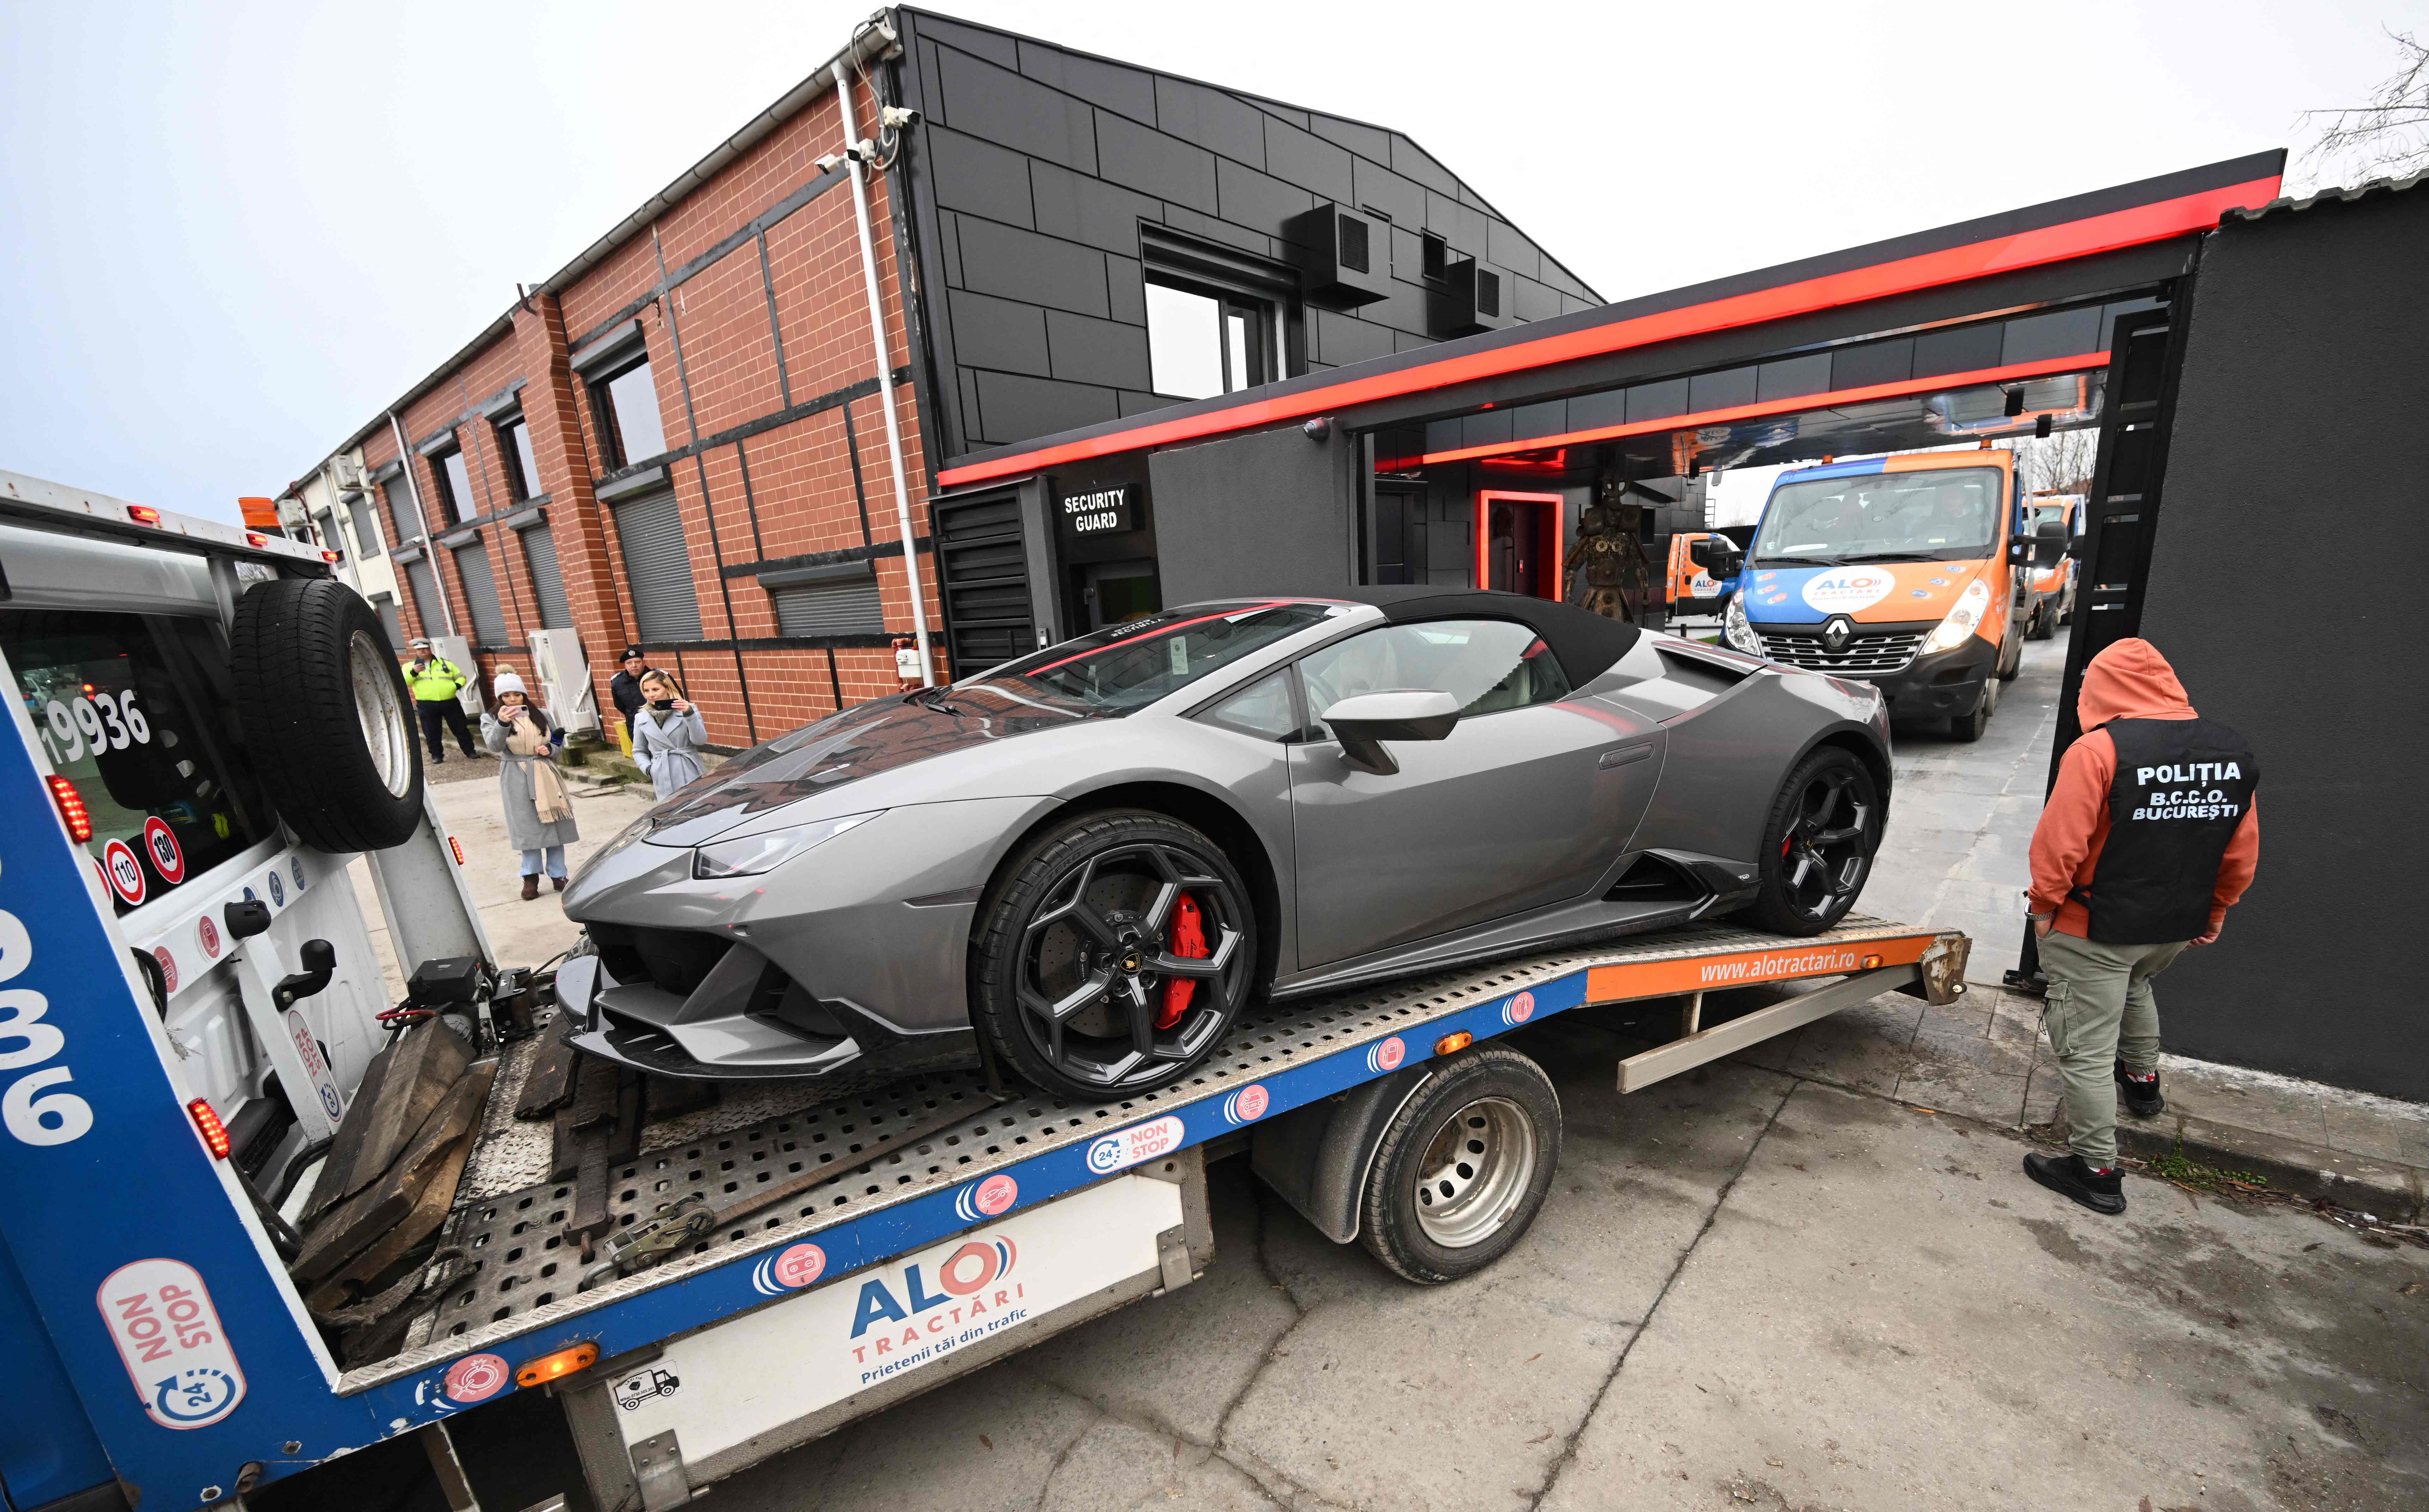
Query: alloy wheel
{"x": 1134, "y": 962}
{"x": 1829, "y": 842}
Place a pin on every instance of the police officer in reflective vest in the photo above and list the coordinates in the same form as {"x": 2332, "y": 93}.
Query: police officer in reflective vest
{"x": 2151, "y": 833}
{"x": 435, "y": 681}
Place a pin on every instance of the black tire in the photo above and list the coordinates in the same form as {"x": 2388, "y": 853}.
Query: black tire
{"x": 1968, "y": 728}
{"x": 1071, "y": 959}
{"x": 324, "y": 713}
{"x": 1450, "y": 1188}
{"x": 1818, "y": 844}
{"x": 2045, "y": 621}
{"x": 2012, "y": 653}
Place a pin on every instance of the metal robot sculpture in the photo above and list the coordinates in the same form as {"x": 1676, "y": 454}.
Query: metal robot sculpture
{"x": 1610, "y": 543}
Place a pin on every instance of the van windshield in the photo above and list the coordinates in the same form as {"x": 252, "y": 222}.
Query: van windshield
{"x": 1943, "y": 514}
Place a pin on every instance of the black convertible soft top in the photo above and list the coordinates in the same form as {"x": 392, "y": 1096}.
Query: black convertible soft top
{"x": 1587, "y": 644}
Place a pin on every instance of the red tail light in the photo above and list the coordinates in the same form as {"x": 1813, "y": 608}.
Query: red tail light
{"x": 144, "y": 513}
{"x": 207, "y": 1124}
{"x": 256, "y": 538}
{"x": 72, "y": 809}
{"x": 456, "y": 846}
{"x": 333, "y": 558}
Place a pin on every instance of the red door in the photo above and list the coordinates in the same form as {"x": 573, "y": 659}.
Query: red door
{"x": 1518, "y": 542}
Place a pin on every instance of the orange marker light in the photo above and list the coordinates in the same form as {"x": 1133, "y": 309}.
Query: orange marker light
{"x": 144, "y": 513}
{"x": 1453, "y": 1044}
{"x": 207, "y": 1124}
{"x": 456, "y": 846}
{"x": 1872, "y": 962}
{"x": 549, "y": 1367}
{"x": 72, "y": 809}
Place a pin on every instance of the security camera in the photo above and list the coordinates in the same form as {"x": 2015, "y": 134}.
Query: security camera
{"x": 829, "y": 163}
{"x": 897, "y": 117}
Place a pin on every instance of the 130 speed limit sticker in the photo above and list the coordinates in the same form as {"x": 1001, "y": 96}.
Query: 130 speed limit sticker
{"x": 167, "y": 859}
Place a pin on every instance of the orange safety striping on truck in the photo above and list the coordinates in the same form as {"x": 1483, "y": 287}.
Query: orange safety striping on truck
{"x": 1747, "y": 968}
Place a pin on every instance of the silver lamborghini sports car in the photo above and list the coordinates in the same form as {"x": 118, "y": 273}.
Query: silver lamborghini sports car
{"x": 1097, "y": 855}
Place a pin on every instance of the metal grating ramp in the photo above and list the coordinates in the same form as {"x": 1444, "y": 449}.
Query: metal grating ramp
{"x": 513, "y": 1263}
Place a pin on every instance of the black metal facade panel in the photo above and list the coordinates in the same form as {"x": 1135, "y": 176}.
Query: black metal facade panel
{"x": 1262, "y": 513}
{"x": 1037, "y": 170}
{"x": 2304, "y": 382}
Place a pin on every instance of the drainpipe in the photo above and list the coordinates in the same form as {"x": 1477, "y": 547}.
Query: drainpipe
{"x": 421, "y": 518}
{"x": 884, "y": 374}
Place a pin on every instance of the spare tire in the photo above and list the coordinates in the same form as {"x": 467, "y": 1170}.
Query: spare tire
{"x": 324, "y": 713}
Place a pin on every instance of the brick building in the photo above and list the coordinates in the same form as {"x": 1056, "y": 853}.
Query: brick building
{"x": 681, "y": 439}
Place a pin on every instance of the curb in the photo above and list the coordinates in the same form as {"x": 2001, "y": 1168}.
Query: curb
{"x": 2383, "y": 1188}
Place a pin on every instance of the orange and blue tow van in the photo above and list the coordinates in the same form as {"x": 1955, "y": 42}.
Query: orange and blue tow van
{"x": 1894, "y": 572}
{"x": 2053, "y": 586}
{"x": 1694, "y": 588}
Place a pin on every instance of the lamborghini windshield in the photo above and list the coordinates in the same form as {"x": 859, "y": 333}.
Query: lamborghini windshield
{"x": 1944, "y": 515}
{"x": 1130, "y": 666}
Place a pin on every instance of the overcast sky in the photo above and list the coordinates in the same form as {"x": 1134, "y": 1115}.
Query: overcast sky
{"x": 232, "y": 234}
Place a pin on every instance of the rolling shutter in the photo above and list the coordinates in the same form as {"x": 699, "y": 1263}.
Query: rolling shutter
{"x": 428, "y": 606}
{"x": 846, "y": 607}
{"x": 981, "y": 563}
{"x": 548, "y": 583}
{"x": 481, "y": 593}
{"x": 658, "y": 567}
{"x": 385, "y": 607}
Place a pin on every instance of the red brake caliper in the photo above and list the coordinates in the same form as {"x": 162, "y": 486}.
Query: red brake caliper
{"x": 1188, "y": 939}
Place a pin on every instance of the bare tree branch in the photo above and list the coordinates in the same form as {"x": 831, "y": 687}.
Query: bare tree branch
{"x": 2387, "y": 137}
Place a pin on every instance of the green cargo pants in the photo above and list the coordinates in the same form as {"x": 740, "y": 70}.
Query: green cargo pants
{"x": 2100, "y": 1011}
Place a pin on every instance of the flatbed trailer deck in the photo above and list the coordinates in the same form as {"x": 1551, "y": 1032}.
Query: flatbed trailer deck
{"x": 512, "y": 1297}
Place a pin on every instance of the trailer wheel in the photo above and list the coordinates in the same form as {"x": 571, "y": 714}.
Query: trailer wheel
{"x": 1464, "y": 1168}
{"x": 324, "y": 714}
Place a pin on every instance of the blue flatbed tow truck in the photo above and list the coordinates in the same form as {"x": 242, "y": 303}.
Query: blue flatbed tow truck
{"x": 191, "y": 1004}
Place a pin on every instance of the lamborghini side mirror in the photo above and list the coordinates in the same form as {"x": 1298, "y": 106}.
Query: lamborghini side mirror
{"x": 1364, "y": 723}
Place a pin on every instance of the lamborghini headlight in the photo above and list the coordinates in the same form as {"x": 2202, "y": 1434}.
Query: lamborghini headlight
{"x": 1963, "y": 619}
{"x": 1735, "y": 630}
{"x": 753, "y": 854}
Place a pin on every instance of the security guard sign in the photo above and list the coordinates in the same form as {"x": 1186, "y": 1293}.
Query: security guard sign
{"x": 1103, "y": 512}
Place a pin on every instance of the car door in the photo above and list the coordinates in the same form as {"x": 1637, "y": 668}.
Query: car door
{"x": 1512, "y": 810}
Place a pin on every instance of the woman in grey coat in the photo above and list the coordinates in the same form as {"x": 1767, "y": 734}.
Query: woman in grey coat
{"x": 540, "y": 814}
{"x": 668, "y": 734}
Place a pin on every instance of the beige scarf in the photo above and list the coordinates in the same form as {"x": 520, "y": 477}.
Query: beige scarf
{"x": 524, "y": 737}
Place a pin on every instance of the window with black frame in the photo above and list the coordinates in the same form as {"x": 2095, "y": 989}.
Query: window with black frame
{"x": 625, "y": 402}
{"x": 515, "y": 454}
{"x": 137, "y": 713}
{"x": 1203, "y": 340}
{"x": 456, "y": 500}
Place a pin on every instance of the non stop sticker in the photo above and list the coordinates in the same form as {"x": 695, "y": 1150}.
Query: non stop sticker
{"x": 169, "y": 1335}
{"x": 1141, "y": 1141}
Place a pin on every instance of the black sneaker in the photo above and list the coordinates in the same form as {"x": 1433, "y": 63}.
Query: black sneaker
{"x": 2067, "y": 1176}
{"x": 2139, "y": 1098}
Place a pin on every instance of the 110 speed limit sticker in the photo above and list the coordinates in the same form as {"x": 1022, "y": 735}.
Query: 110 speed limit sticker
{"x": 123, "y": 873}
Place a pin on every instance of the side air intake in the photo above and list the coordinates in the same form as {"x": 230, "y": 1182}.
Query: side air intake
{"x": 1651, "y": 880}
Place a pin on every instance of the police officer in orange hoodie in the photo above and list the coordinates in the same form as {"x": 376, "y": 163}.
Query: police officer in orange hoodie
{"x": 2150, "y": 835}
